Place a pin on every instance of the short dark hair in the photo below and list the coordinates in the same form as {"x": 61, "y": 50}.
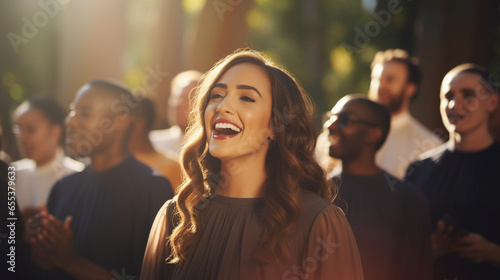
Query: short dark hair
{"x": 146, "y": 110}
{"x": 51, "y": 109}
{"x": 401, "y": 56}
{"x": 111, "y": 86}
{"x": 487, "y": 79}
{"x": 124, "y": 93}
{"x": 379, "y": 114}
{"x": 116, "y": 88}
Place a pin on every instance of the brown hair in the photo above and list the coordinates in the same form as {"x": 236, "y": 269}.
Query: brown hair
{"x": 289, "y": 162}
{"x": 399, "y": 55}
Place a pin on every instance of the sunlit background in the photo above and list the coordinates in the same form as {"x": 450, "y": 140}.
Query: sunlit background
{"x": 53, "y": 47}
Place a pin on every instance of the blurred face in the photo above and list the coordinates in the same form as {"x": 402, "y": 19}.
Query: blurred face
{"x": 182, "y": 108}
{"x": 91, "y": 125}
{"x": 388, "y": 85}
{"x": 348, "y": 126}
{"x": 37, "y": 138}
{"x": 237, "y": 117}
{"x": 465, "y": 103}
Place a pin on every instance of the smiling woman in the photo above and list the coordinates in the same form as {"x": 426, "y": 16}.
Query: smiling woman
{"x": 255, "y": 203}
{"x": 237, "y": 120}
{"x": 39, "y": 128}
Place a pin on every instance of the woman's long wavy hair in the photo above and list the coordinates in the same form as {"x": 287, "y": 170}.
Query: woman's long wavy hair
{"x": 289, "y": 162}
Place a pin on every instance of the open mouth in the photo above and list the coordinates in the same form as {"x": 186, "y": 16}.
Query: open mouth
{"x": 454, "y": 118}
{"x": 224, "y": 130}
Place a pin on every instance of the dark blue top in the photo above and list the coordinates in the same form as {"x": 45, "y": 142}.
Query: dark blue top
{"x": 112, "y": 212}
{"x": 465, "y": 186}
{"x": 390, "y": 221}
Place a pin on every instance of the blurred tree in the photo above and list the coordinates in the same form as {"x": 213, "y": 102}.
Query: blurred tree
{"x": 194, "y": 36}
{"x": 328, "y": 44}
{"x": 219, "y": 30}
{"x": 450, "y": 33}
{"x": 92, "y": 37}
{"x": 25, "y": 56}
{"x": 165, "y": 46}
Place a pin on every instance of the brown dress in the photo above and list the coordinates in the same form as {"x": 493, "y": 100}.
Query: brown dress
{"x": 322, "y": 247}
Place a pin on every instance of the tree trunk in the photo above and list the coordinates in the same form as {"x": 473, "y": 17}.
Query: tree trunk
{"x": 450, "y": 33}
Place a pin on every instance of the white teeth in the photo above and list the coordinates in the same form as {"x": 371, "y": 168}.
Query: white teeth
{"x": 227, "y": 125}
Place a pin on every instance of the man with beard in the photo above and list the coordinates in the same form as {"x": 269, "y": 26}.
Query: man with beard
{"x": 99, "y": 218}
{"x": 395, "y": 81}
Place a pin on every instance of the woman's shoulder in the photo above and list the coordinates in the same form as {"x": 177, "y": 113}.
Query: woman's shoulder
{"x": 312, "y": 202}
{"x": 170, "y": 205}
{"x": 329, "y": 240}
{"x": 314, "y": 208}
{"x": 166, "y": 215}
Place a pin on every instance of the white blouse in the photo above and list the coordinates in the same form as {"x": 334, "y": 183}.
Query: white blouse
{"x": 34, "y": 183}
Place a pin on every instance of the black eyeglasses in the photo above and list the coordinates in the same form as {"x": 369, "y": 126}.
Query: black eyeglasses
{"x": 343, "y": 119}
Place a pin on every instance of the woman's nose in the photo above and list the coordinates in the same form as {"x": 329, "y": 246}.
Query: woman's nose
{"x": 225, "y": 106}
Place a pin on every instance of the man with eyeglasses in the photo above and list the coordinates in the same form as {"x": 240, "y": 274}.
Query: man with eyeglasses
{"x": 389, "y": 218}
{"x": 395, "y": 79}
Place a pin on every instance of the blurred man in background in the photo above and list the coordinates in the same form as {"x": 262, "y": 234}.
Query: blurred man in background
{"x": 169, "y": 141}
{"x": 395, "y": 81}
{"x": 389, "y": 218}
{"x": 143, "y": 150}
{"x": 98, "y": 220}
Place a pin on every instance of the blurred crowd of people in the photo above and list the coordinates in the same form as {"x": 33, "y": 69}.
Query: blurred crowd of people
{"x": 398, "y": 200}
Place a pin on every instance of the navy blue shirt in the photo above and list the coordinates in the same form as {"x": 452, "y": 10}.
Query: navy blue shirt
{"x": 112, "y": 212}
{"x": 465, "y": 186}
{"x": 390, "y": 221}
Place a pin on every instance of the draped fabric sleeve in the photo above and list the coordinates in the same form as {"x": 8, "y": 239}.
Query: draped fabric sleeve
{"x": 332, "y": 252}
{"x": 154, "y": 266}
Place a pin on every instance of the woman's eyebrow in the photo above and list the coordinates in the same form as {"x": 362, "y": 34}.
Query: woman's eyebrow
{"x": 250, "y": 88}
{"x": 224, "y": 86}
{"x": 219, "y": 85}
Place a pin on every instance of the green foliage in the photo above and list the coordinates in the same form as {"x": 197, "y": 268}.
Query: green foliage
{"x": 282, "y": 29}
